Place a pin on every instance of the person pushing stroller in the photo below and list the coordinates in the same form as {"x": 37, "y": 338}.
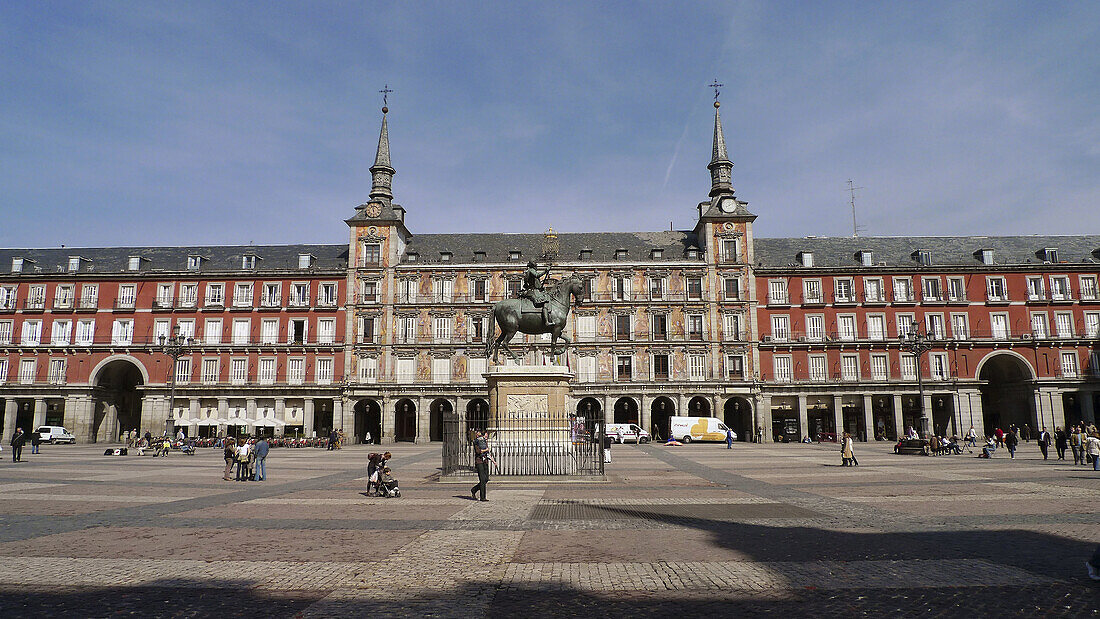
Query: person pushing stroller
{"x": 387, "y": 485}
{"x": 375, "y": 463}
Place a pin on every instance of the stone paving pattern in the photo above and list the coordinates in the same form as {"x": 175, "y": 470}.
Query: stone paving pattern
{"x": 757, "y": 530}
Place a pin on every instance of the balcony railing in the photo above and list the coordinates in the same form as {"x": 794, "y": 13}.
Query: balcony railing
{"x": 34, "y": 304}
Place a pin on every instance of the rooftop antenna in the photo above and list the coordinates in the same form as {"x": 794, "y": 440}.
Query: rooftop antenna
{"x": 852, "y": 200}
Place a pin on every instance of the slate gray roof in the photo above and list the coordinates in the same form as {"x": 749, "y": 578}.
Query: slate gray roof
{"x": 603, "y": 245}
{"x": 833, "y": 252}
{"x": 218, "y": 258}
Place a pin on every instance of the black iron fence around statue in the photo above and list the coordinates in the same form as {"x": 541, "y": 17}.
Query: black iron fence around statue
{"x": 542, "y": 446}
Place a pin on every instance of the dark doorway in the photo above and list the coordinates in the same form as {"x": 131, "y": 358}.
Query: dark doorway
{"x": 853, "y": 420}
{"x": 883, "y": 410}
{"x": 368, "y": 421}
{"x": 117, "y": 401}
{"x": 737, "y": 415}
{"x": 626, "y": 410}
{"x": 405, "y": 421}
{"x": 1007, "y": 393}
{"x": 589, "y": 413}
{"x": 322, "y": 417}
{"x": 438, "y": 410}
{"x": 24, "y": 415}
{"x": 943, "y": 415}
{"x": 1071, "y": 405}
{"x": 659, "y": 413}
{"x": 698, "y": 407}
{"x": 477, "y": 414}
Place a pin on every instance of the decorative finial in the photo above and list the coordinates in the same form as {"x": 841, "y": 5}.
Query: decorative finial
{"x": 385, "y": 98}
{"x": 715, "y": 85}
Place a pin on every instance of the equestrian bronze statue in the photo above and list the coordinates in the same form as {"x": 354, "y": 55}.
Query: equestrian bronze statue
{"x": 536, "y": 311}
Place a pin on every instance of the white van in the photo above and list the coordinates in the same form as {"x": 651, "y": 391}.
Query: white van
{"x": 687, "y": 429}
{"x": 624, "y": 432}
{"x": 55, "y": 434}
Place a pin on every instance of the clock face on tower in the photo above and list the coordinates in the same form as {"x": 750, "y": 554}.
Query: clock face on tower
{"x": 373, "y": 209}
{"x": 727, "y": 205}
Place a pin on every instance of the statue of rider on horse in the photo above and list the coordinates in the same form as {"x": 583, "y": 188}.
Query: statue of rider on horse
{"x": 533, "y": 282}
{"x": 536, "y": 311}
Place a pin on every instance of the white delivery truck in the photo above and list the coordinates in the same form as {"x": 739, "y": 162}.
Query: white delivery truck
{"x": 687, "y": 429}
{"x": 623, "y": 432}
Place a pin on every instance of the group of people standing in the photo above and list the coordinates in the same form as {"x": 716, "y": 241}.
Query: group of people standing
{"x": 249, "y": 456}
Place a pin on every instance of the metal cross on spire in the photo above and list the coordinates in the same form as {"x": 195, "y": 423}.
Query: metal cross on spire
{"x": 715, "y": 86}
{"x": 385, "y": 94}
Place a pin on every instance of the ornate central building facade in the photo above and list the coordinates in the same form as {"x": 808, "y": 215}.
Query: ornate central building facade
{"x": 385, "y": 335}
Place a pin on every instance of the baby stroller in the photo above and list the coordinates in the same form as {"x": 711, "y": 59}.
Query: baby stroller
{"x": 387, "y": 485}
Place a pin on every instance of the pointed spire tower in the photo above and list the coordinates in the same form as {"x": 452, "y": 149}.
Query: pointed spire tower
{"x": 721, "y": 168}
{"x": 382, "y": 172}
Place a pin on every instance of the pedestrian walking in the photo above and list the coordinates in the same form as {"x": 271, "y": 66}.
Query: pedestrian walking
{"x": 1061, "y": 439}
{"x": 1082, "y": 437}
{"x": 482, "y": 458}
{"x": 971, "y": 438}
{"x": 230, "y": 457}
{"x": 1011, "y": 441}
{"x": 261, "y": 449}
{"x": 18, "y": 439}
{"x": 999, "y": 434}
{"x": 607, "y": 443}
{"x": 1044, "y": 441}
{"x": 36, "y": 440}
{"x": 729, "y": 438}
{"x": 1025, "y": 433}
{"x": 847, "y": 455}
{"x": 1076, "y": 445}
{"x": 1092, "y": 450}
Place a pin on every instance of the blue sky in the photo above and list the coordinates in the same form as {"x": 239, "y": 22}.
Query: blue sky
{"x": 221, "y": 123}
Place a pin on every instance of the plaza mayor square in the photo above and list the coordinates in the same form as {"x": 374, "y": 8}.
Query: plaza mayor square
{"x": 462, "y": 310}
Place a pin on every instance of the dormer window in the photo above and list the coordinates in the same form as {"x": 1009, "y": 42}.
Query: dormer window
{"x": 806, "y": 258}
{"x": 514, "y": 255}
{"x": 620, "y": 253}
{"x": 305, "y": 261}
{"x": 866, "y": 258}
{"x": 445, "y": 256}
{"x": 924, "y": 257}
{"x": 133, "y": 264}
{"x": 987, "y": 256}
{"x": 586, "y": 254}
{"x": 74, "y": 263}
{"x": 16, "y": 265}
{"x": 411, "y": 256}
{"x": 248, "y": 261}
{"x": 656, "y": 253}
{"x": 194, "y": 263}
{"x": 1050, "y": 254}
{"x": 479, "y": 256}
{"x": 692, "y": 253}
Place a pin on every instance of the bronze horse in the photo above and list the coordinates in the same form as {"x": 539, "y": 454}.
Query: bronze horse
{"x": 521, "y": 315}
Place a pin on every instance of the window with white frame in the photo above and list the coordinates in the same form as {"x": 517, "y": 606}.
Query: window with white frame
{"x": 212, "y": 331}
{"x": 32, "y": 333}
{"x": 1035, "y": 289}
{"x": 811, "y": 291}
{"x": 189, "y": 295}
{"x": 843, "y": 290}
{"x": 371, "y": 254}
{"x": 326, "y": 295}
{"x": 443, "y": 289}
{"x": 624, "y": 368}
{"x": 731, "y": 326}
{"x": 272, "y": 295}
{"x": 299, "y": 294}
{"x": 5, "y": 331}
{"x": 999, "y": 326}
{"x": 61, "y": 332}
{"x": 880, "y": 367}
{"x": 658, "y": 326}
{"x": 89, "y": 296}
{"x": 406, "y": 370}
{"x": 777, "y": 292}
{"x": 935, "y": 326}
{"x": 624, "y": 327}
{"x": 960, "y": 327}
{"x": 873, "y": 290}
{"x": 441, "y": 329}
{"x": 1088, "y": 287}
{"x": 126, "y": 295}
{"x": 846, "y": 327}
{"x": 1039, "y": 328}
{"x": 586, "y": 328}
{"x": 3, "y": 371}
{"x": 996, "y": 289}
{"x": 367, "y": 329}
{"x": 695, "y": 326}
{"x": 697, "y": 367}
{"x": 56, "y": 372}
{"x": 939, "y": 365}
{"x": 368, "y": 369}
{"x": 904, "y": 324}
{"x": 818, "y": 368}
{"x": 407, "y": 289}
{"x": 241, "y": 330}
{"x": 215, "y": 294}
{"x": 694, "y": 288}
{"x": 269, "y": 331}
{"x": 369, "y": 292}
{"x": 478, "y": 366}
{"x": 735, "y": 367}
{"x": 586, "y": 369}
{"x": 731, "y": 288}
{"x": 849, "y": 367}
{"x": 876, "y": 327}
{"x": 622, "y": 288}
{"x": 656, "y": 287}
{"x": 242, "y": 295}
{"x": 815, "y": 327}
{"x": 480, "y": 288}
{"x": 7, "y": 297}
{"x": 1092, "y": 324}
{"x": 730, "y": 250}
{"x": 266, "y": 371}
{"x": 248, "y": 261}
{"x": 28, "y": 370}
{"x": 17, "y": 265}
{"x": 295, "y": 370}
{"x": 36, "y": 297}
{"x": 782, "y": 368}
{"x": 238, "y": 370}
{"x": 781, "y": 328}
{"x": 194, "y": 263}
{"x": 324, "y": 370}
{"x": 162, "y": 328}
{"x": 1094, "y": 363}
{"x": 133, "y": 263}
{"x": 659, "y": 369}
{"x": 930, "y": 286}
{"x": 1063, "y": 323}
{"x": 305, "y": 261}
{"x": 210, "y": 370}
{"x": 186, "y": 328}
{"x": 956, "y": 289}
{"x": 908, "y": 366}
{"x": 165, "y": 294}
{"x": 63, "y": 296}
{"x": 441, "y": 370}
{"x": 903, "y": 290}
{"x": 85, "y": 332}
{"x": 183, "y": 370}
{"x": 326, "y": 330}
{"x": 1059, "y": 288}
{"x": 1069, "y": 364}
{"x": 806, "y": 258}
{"x": 406, "y": 329}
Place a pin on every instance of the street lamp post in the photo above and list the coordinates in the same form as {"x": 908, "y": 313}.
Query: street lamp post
{"x": 918, "y": 343}
{"x": 175, "y": 347}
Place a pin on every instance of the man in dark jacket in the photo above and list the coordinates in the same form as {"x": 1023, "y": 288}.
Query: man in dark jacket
{"x": 1044, "y": 441}
{"x": 36, "y": 440}
{"x": 260, "y": 450}
{"x": 17, "y": 441}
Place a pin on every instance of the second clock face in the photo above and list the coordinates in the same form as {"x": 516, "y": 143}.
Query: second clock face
{"x": 374, "y": 209}
{"x": 727, "y": 205}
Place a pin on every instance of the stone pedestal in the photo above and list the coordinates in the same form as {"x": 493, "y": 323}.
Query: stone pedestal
{"x": 529, "y": 423}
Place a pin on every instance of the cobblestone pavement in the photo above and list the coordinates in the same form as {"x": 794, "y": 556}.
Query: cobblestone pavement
{"x": 757, "y": 530}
